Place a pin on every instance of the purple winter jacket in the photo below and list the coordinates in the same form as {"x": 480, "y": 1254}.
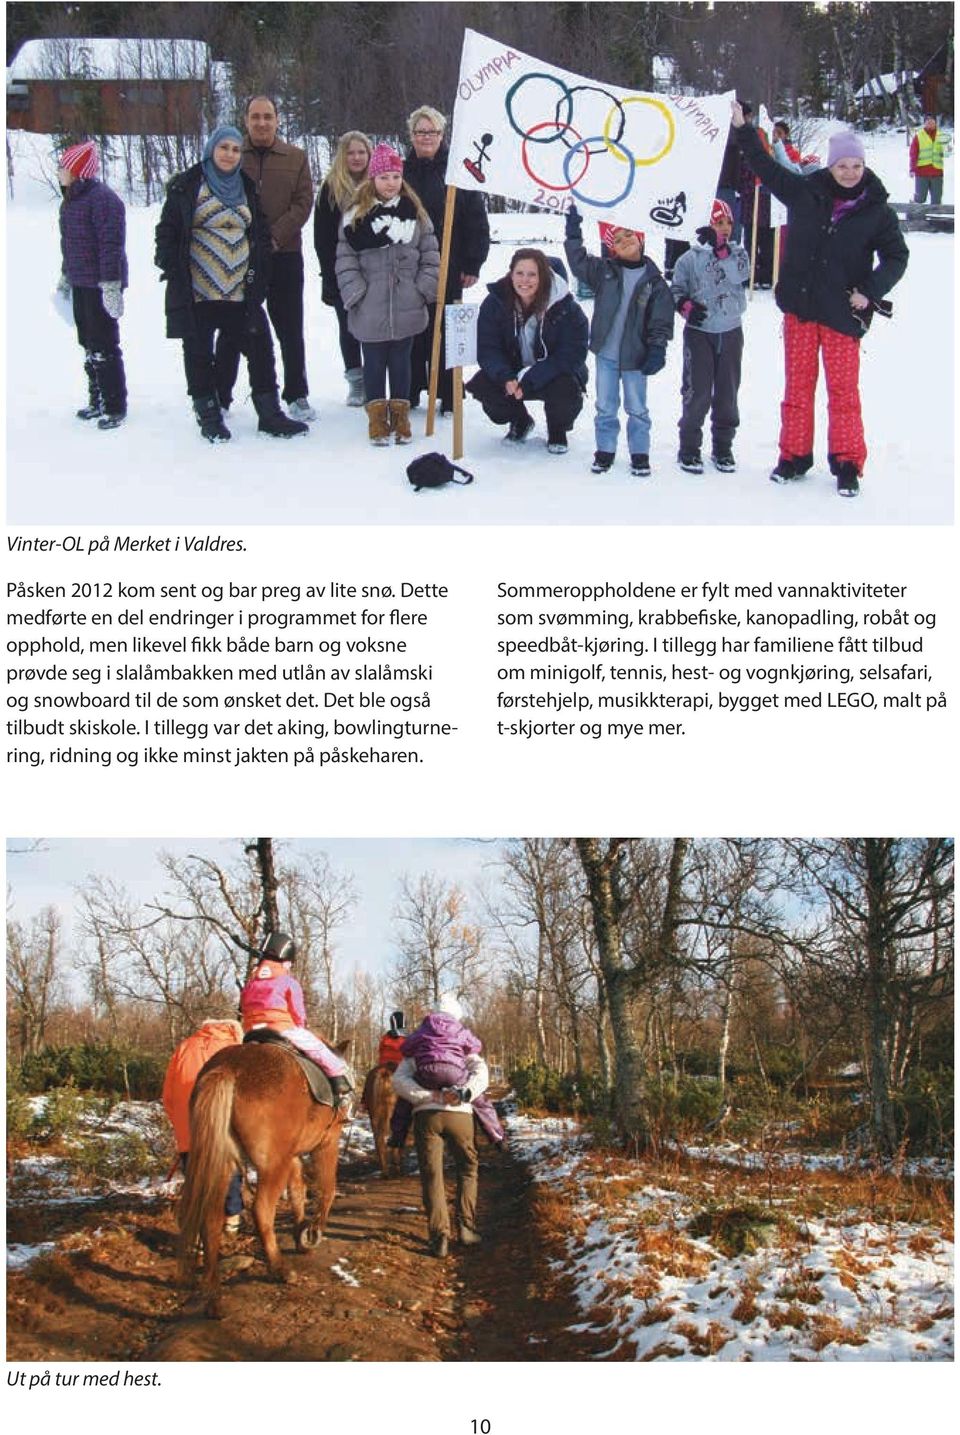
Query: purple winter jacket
{"x": 441, "y": 1038}
{"x": 92, "y": 232}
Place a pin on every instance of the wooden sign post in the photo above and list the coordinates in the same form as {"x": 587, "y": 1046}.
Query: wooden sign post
{"x": 441, "y": 292}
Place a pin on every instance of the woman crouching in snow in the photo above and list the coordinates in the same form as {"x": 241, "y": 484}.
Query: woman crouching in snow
{"x": 531, "y": 345}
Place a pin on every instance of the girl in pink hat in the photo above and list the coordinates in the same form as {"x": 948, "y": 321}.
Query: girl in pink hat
{"x": 93, "y": 248}
{"x": 388, "y": 263}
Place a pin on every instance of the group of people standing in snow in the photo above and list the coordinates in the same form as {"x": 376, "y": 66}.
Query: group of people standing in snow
{"x": 229, "y": 249}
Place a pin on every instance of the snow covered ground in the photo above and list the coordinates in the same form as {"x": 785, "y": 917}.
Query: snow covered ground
{"x": 157, "y": 470}
{"x": 834, "y": 1288}
{"x": 49, "y": 1180}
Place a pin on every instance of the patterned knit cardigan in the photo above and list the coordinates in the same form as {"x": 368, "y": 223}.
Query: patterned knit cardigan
{"x": 172, "y": 253}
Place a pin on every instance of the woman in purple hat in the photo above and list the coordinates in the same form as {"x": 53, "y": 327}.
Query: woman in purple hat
{"x": 846, "y": 253}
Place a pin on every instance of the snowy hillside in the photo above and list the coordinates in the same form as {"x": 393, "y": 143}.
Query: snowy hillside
{"x": 157, "y": 470}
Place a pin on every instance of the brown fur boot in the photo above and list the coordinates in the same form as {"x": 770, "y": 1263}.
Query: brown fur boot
{"x": 378, "y": 417}
{"x": 400, "y": 420}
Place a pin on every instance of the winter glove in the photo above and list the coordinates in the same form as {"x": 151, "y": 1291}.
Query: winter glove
{"x": 707, "y": 235}
{"x": 656, "y": 358}
{"x": 111, "y": 292}
{"x": 693, "y": 312}
{"x": 573, "y": 222}
{"x": 62, "y": 297}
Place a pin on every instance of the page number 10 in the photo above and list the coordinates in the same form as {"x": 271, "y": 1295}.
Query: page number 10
{"x": 480, "y": 1427}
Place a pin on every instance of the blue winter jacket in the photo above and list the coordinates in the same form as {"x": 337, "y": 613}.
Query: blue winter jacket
{"x": 560, "y": 343}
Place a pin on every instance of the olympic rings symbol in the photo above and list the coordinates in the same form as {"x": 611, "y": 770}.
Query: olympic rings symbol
{"x": 657, "y": 105}
{"x": 610, "y": 119}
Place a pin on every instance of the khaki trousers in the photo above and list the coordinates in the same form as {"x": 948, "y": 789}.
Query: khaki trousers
{"x": 433, "y": 1130}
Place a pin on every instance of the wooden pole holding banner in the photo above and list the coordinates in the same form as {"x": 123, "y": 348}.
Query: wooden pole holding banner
{"x": 776, "y": 254}
{"x": 458, "y": 413}
{"x": 753, "y": 239}
{"x": 441, "y": 298}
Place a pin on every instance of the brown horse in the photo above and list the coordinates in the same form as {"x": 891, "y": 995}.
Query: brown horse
{"x": 379, "y": 1098}
{"x": 251, "y": 1105}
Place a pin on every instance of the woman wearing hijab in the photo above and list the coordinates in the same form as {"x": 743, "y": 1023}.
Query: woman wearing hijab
{"x": 213, "y": 251}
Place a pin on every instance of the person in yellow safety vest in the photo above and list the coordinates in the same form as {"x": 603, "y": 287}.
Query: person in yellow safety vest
{"x": 928, "y": 149}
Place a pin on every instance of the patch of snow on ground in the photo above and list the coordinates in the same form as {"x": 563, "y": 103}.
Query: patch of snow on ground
{"x": 339, "y": 1269}
{"x": 20, "y": 1256}
{"x": 856, "y": 1291}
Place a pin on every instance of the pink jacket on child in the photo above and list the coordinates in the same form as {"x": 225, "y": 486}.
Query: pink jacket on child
{"x": 272, "y": 997}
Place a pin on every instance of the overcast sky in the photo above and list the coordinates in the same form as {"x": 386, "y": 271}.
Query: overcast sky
{"x": 52, "y": 874}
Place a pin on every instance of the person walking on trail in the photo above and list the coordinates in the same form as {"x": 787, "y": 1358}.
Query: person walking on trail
{"x": 928, "y": 150}
{"x": 281, "y": 174}
{"x": 273, "y": 998}
{"x": 93, "y": 278}
{"x": 213, "y": 253}
{"x": 439, "y": 1048}
{"x": 186, "y": 1063}
{"x": 443, "y": 1119}
{"x": 829, "y": 288}
{"x": 348, "y": 170}
{"x": 708, "y": 290}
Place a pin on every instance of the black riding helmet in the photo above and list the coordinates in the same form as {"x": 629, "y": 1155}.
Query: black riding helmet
{"x": 280, "y": 946}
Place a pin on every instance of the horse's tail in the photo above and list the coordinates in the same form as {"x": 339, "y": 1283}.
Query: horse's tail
{"x": 213, "y": 1156}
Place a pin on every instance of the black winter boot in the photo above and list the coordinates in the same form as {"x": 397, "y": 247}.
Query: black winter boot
{"x": 640, "y": 465}
{"x": 212, "y": 426}
{"x": 272, "y": 419}
{"x": 519, "y": 427}
{"x": 92, "y": 409}
{"x": 602, "y": 461}
{"x": 848, "y": 480}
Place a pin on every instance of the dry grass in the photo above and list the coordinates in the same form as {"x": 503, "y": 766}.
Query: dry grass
{"x": 703, "y": 1342}
{"x": 828, "y": 1330}
{"x": 745, "y": 1309}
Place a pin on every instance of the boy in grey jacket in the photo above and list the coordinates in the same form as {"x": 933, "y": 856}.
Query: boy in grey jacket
{"x": 632, "y": 325}
{"x": 708, "y": 289}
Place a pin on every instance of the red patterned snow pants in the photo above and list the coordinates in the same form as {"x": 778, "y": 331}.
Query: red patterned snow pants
{"x": 802, "y": 343}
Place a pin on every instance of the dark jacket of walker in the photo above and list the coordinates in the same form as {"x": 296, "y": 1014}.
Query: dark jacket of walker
{"x": 172, "y": 253}
{"x": 825, "y": 260}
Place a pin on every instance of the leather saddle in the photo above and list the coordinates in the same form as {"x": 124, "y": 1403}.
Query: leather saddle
{"x": 317, "y": 1081}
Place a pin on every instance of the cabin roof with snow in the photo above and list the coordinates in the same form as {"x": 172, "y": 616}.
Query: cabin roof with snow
{"x": 122, "y": 59}
{"x": 883, "y": 85}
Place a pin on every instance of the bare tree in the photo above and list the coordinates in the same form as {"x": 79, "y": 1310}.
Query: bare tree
{"x": 889, "y": 940}
{"x": 439, "y": 946}
{"x": 33, "y": 975}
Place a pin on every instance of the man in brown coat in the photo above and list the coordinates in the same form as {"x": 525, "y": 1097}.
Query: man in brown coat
{"x": 281, "y": 173}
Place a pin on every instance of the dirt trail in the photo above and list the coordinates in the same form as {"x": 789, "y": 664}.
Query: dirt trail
{"x": 369, "y": 1292}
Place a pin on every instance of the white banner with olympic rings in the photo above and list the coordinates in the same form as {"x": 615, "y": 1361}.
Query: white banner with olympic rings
{"x": 523, "y": 129}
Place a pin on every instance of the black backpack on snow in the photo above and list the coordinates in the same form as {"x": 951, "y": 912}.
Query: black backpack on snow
{"x": 433, "y": 470}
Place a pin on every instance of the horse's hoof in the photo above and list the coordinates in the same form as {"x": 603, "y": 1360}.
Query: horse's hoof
{"x": 308, "y": 1237}
{"x": 284, "y": 1276}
